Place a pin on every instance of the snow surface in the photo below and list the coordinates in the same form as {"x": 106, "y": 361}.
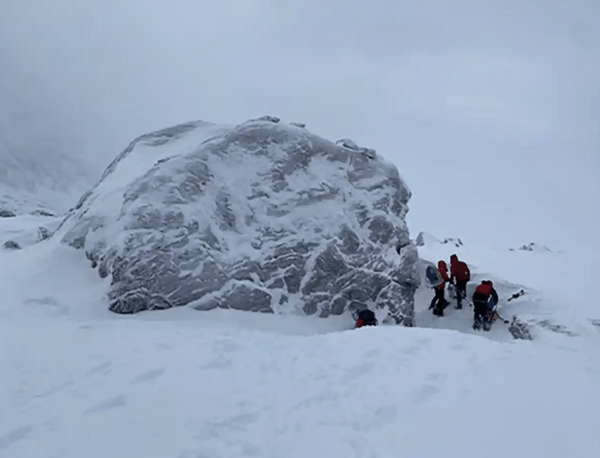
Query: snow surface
{"x": 78, "y": 381}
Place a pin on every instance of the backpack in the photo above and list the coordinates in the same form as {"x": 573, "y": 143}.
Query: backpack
{"x": 365, "y": 317}
{"x": 484, "y": 290}
{"x": 368, "y": 316}
{"x": 434, "y": 277}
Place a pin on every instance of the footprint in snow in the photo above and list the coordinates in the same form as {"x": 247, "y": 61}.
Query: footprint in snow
{"x": 148, "y": 376}
{"x": 437, "y": 377}
{"x": 6, "y": 440}
{"x": 425, "y": 393}
{"x": 359, "y": 370}
{"x": 119, "y": 401}
{"x": 101, "y": 368}
{"x": 413, "y": 349}
{"x": 192, "y": 454}
{"x": 48, "y": 304}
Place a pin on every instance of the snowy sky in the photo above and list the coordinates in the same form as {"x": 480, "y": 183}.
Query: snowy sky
{"x": 490, "y": 109}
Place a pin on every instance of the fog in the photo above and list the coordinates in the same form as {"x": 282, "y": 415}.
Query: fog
{"x": 489, "y": 109}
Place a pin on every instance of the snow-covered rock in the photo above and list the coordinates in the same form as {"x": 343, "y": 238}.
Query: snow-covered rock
{"x": 26, "y": 230}
{"x": 534, "y": 247}
{"x": 11, "y": 245}
{"x": 425, "y": 238}
{"x": 7, "y": 214}
{"x": 261, "y": 216}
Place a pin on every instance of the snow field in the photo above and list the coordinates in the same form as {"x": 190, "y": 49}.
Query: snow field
{"x": 171, "y": 388}
{"x": 78, "y": 381}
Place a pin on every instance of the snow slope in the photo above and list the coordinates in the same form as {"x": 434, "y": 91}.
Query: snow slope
{"x": 38, "y": 171}
{"x": 78, "y": 381}
{"x": 556, "y": 285}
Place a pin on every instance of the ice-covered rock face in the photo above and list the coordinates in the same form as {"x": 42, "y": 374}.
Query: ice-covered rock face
{"x": 261, "y": 217}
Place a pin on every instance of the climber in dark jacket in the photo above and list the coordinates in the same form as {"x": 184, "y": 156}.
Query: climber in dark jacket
{"x": 460, "y": 272}
{"x": 439, "y": 302}
{"x": 365, "y": 317}
{"x": 485, "y": 299}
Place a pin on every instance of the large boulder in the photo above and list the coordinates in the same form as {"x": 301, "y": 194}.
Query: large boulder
{"x": 261, "y": 216}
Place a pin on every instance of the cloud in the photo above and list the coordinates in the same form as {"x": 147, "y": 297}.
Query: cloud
{"x": 489, "y": 108}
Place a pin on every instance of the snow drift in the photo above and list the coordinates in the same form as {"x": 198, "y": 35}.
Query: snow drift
{"x": 261, "y": 217}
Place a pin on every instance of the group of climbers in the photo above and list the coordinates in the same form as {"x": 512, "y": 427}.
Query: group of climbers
{"x": 485, "y": 296}
{"x": 460, "y": 275}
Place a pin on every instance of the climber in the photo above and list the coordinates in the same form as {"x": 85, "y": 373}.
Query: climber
{"x": 365, "y": 317}
{"x": 459, "y": 271}
{"x": 485, "y": 299}
{"x": 439, "y": 302}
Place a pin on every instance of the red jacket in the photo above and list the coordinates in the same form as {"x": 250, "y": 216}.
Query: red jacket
{"x": 485, "y": 288}
{"x": 443, "y": 268}
{"x": 459, "y": 269}
{"x": 484, "y": 291}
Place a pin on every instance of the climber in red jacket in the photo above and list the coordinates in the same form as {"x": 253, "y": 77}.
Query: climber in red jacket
{"x": 485, "y": 298}
{"x": 439, "y": 302}
{"x": 459, "y": 276}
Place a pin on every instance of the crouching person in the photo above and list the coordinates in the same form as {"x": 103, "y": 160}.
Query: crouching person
{"x": 485, "y": 299}
{"x": 365, "y": 317}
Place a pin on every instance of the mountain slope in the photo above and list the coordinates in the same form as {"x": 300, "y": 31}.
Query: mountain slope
{"x": 223, "y": 383}
{"x": 38, "y": 170}
{"x": 556, "y": 287}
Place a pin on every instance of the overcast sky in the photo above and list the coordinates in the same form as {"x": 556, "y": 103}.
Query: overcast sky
{"x": 489, "y": 109}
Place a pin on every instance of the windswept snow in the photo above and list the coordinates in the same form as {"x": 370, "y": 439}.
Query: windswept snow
{"x": 78, "y": 381}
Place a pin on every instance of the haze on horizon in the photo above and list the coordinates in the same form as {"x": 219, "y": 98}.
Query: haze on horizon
{"x": 489, "y": 109}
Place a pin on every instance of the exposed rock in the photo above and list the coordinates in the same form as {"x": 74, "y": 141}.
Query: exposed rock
{"x": 262, "y": 217}
{"x": 43, "y": 233}
{"x": 519, "y": 329}
{"x": 533, "y": 247}
{"x": 11, "y": 245}
{"x": 456, "y": 242}
{"x": 41, "y": 212}
{"x": 7, "y": 214}
{"x": 424, "y": 239}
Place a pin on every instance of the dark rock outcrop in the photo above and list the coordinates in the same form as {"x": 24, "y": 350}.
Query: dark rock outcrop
{"x": 11, "y": 245}
{"x": 7, "y": 214}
